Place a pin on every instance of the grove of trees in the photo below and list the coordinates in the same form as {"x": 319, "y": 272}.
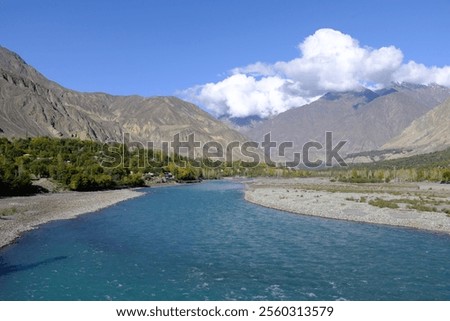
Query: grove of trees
{"x": 82, "y": 165}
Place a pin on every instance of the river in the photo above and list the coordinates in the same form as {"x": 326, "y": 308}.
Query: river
{"x": 205, "y": 242}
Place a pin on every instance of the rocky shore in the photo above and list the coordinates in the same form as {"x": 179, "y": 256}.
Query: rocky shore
{"x": 20, "y": 214}
{"x": 344, "y": 201}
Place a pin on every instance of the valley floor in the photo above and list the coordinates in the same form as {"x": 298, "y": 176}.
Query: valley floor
{"x": 19, "y": 214}
{"x": 416, "y": 205}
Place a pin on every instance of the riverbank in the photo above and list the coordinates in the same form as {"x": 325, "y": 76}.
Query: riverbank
{"x": 419, "y": 205}
{"x": 23, "y": 213}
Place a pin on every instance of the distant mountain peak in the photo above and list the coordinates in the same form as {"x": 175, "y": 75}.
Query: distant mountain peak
{"x": 408, "y": 85}
{"x": 12, "y": 62}
{"x": 386, "y": 91}
{"x": 365, "y": 119}
{"x": 6, "y": 54}
{"x": 367, "y": 95}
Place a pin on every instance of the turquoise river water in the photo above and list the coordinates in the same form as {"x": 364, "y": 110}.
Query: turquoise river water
{"x": 205, "y": 242}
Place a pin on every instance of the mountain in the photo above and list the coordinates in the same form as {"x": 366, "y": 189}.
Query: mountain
{"x": 241, "y": 124}
{"x": 32, "y": 105}
{"x": 429, "y": 133}
{"x": 366, "y": 119}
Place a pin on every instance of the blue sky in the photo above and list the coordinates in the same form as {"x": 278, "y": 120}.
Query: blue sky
{"x": 165, "y": 47}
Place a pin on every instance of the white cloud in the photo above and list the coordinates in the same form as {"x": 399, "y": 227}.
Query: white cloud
{"x": 329, "y": 61}
{"x": 242, "y": 95}
{"x": 419, "y": 73}
{"x": 258, "y": 68}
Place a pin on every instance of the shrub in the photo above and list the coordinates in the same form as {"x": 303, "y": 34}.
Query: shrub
{"x": 383, "y": 203}
{"x": 446, "y": 177}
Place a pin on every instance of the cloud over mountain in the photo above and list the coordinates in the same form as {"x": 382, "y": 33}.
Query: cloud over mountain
{"x": 329, "y": 61}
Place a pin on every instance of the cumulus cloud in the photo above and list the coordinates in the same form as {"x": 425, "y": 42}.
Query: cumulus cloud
{"x": 420, "y": 74}
{"x": 243, "y": 95}
{"x": 329, "y": 61}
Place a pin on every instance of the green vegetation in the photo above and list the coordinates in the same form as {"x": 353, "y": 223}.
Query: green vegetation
{"x": 420, "y": 204}
{"x": 86, "y": 166}
{"x": 81, "y": 165}
{"x": 424, "y": 161}
{"x": 433, "y": 167}
{"x": 362, "y": 199}
{"x": 361, "y": 177}
{"x": 383, "y": 203}
{"x": 8, "y": 211}
{"x": 72, "y": 163}
{"x": 446, "y": 177}
{"x": 422, "y": 208}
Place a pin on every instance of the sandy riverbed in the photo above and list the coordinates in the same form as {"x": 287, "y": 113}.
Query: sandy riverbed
{"x": 320, "y": 197}
{"x": 19, "y": 214}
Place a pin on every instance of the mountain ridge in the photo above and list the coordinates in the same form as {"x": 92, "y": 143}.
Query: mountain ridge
{"x": 32, "y": 105}
{"x": 366, "y": 119}
{"x": 428, "y": 133}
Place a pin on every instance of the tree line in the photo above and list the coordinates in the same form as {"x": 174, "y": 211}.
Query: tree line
{"x": 79, "y": 165}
